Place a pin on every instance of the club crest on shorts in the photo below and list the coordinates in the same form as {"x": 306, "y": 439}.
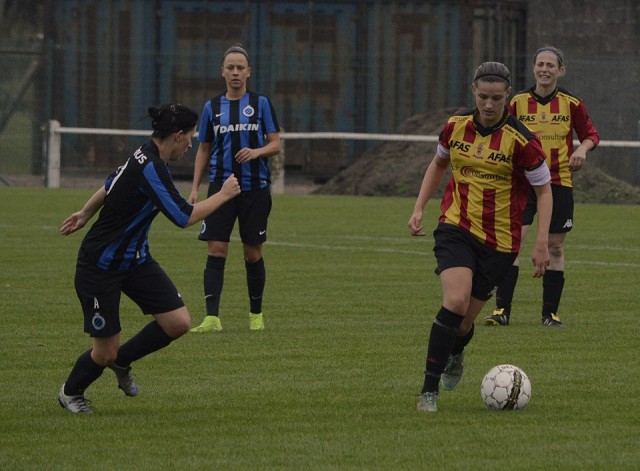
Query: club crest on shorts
{"x": 248, "y": 111}
{"x": 98, "y": 321}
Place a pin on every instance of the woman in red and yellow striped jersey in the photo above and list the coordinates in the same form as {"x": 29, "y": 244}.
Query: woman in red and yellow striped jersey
{"x": 494, "y": 159}
{"x": 553, "y": 114}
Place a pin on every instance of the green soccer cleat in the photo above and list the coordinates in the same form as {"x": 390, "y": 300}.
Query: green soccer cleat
{"x": 428, "y": 402}
{"x": 452, "y": 373}
{"x": 498, "y": 317}
{"x": 209, "y": 324}
{"x": 256, "y": 322}
{"x": 552, "y": 321}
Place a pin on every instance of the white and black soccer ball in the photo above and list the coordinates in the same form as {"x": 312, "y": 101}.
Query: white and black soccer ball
{"x": 506, "y": 387}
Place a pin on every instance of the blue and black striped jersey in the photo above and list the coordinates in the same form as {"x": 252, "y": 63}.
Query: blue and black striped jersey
{"x": 231, "y": 125}
{"x": 136, "y": 193}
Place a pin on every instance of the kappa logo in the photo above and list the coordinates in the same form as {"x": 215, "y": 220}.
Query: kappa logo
{"x": 568, "y": 224}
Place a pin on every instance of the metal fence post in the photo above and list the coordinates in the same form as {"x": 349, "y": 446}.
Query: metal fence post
{"x": 52, "y": 176}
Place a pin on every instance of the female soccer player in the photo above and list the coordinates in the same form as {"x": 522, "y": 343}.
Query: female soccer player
{"x": 238, "y": 132}
{"x": 493, "y": 159}
{"x": 553, "y": 114}
{"x": 114, "y": 256}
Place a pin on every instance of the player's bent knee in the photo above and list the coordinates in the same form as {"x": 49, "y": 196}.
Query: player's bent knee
{"x": 104, "y": 357}
{"x": 175, "y": 323}
{"x": 457, "y": 304}
{"x": 105, "y": 349}
{"x": 182, "y": 328}
{"x": 556, "y": 251}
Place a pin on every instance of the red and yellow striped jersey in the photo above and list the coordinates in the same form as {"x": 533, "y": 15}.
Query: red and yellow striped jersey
{"x": 487, "y": 192}
{"x": 553, "y": 119}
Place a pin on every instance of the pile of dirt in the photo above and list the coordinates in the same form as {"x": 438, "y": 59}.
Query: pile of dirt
{"x": 391, "y": 168}
{"x": 592, "y": 185}
{"x": 396, "y": 168}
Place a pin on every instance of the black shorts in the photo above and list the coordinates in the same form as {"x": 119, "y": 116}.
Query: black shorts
{"x": 99, "y": 293}
{"x": 562, "y": 214}
{"x": 456, "y": 247}
{"x": 250, "y": 208}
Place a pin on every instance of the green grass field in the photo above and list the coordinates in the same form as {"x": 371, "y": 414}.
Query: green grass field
{"x": 332, "y": 382}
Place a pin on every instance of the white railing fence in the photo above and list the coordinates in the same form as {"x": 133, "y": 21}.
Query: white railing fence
{"x": 55, "y": 130}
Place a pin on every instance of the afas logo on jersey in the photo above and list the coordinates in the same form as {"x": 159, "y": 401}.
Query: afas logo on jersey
{"x": 527, "y": 118}
{"x": 463, "y": 146}
{"x": 499, "y": 157}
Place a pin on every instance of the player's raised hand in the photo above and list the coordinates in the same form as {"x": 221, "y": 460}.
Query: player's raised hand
{"x": 231, "y": 187}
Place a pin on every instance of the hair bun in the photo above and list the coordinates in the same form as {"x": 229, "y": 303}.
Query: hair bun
{"x": 154, "y": 112}
{"x": 171, "y": 117}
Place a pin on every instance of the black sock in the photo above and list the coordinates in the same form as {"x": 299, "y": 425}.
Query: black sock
{"x": 552, "y": 285}
{"x": 441, "y": 341}
{"x": 150, "y": 339}
{"x": 213, "y": 282}
{"x": 461, "y": 342}
{"x": 256, "y": 278}
{"x": 506, "y": 288}
{"x": 84, "y": 372}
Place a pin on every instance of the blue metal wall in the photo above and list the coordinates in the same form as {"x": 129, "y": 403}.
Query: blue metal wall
{"x": 358, "y": 65}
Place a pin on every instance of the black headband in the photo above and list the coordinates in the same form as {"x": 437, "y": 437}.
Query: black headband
{"x": 493, "y": 74}
{"x": 238, "y": 49}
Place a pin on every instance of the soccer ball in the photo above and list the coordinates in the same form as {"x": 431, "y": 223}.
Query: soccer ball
{"x": 506, "y": 387}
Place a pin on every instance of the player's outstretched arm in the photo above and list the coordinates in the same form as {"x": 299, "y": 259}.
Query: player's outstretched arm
{"x": 230, "y": 189}
{"x": 78, "y": 219}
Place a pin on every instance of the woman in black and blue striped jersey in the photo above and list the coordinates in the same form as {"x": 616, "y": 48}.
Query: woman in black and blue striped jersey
{"x": 114, "y": 256}
{"x": 238, "y": 133}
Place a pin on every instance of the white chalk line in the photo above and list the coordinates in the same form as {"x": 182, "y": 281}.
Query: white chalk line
{"x": 388, "y": 250}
